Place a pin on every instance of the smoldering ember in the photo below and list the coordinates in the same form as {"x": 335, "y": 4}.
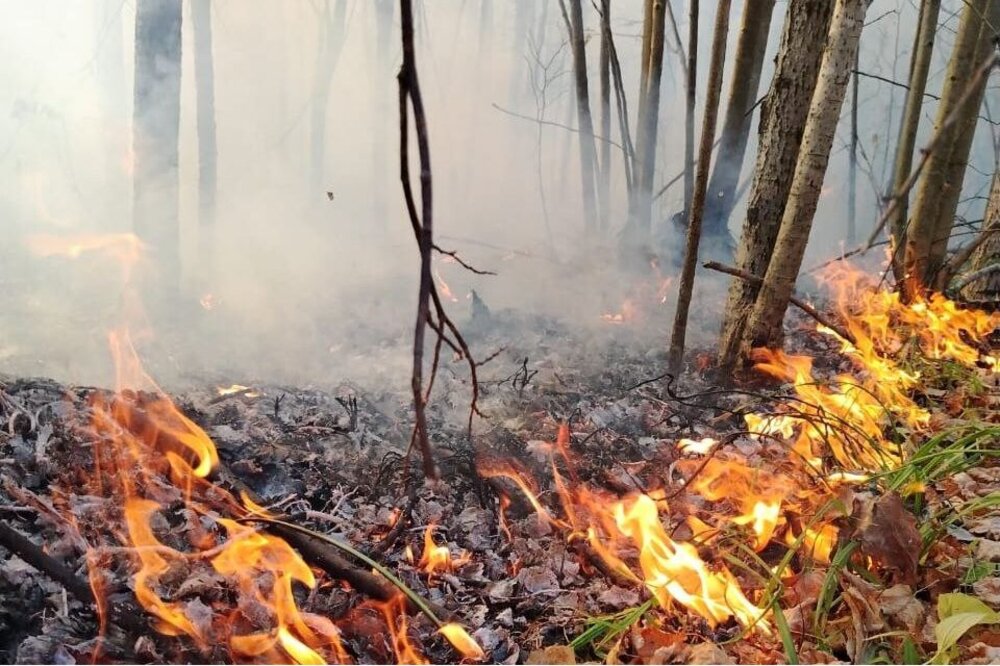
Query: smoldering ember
{"x": 537, "y": 331}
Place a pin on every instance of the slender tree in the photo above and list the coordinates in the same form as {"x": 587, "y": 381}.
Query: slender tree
{"x": 984, "y": 276}
{"x": 649, "y": 113}
{"x": 204, "y": 75}
{"x": 691, "y": 87}
{"x": 155, "y": 128}
{"x": 937, "y": 197}
{"x": 638, "y": 228}
{"x": 588, "y": 151}
{"x": 697, "y": 211}
{"x": 765, "y": 324}
{"x": 748, "y": 62}
{"x": 782, "y": 122}
{"x": 920, "y": 63}
{"x": 604, "y": 179}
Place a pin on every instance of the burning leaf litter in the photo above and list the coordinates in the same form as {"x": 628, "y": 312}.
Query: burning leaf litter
{"x": 714, "y": 531}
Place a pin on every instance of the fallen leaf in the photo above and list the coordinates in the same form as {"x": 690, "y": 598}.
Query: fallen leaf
{"x": 708, "y": 653}
{"x": 988, "y": 591}
{"x": 553, "y": 654}
{"x": 890, "y": 537}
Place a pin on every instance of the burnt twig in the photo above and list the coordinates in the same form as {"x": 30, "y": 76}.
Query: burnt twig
{"x": 423, "y": 230}
{"x": 120, "y": 613}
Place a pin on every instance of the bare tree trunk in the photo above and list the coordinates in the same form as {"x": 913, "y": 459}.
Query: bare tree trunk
{"x": 650, "y": 116}
{"x": 384, "y": 13}
{"x": 204, "y": 75}
{"x": 852, "y": 162}
{"x": 691, "y": 76}
{"x": 156, "y": 124}
{"x": 987, "y": 255}
{"x": 331, "y": 42}
{"x": 588, "y": 150}
{"x": 920, "y": 63}
{"x": 765, "y": 325}
{"x": 749, "y": 60}
{"x": 937, "y": 199}
{"x": 782, "y": 122}
{"x": 644, "y": 165}
{"x": 604, "y": 182}
{"x": 697, "y": 210}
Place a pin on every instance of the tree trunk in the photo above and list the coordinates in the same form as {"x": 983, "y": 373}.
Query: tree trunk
{"x": 987, "y": 288}
{"x": 331, "y": 42}
{"x": 644, "y": 164}
{"x": 715, "y": 68}
{"x": 588, "y": 151}
{"x": 604, "y": 182}
{"x": 920, "y": 64}
{"x": 937, "y": 199}
{"x": 204, "y": 75}
{"x": 650, "y": 116}
{"x": 156, "y": 123}
{"x": 691, "y": 81}
{"x": 749, "y": 60}
{"x": 852, "y": 161}
{"x": 782, "y": 122}
{"x": 765, "y": 324}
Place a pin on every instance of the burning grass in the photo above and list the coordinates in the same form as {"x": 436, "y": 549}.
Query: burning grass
{"x": 636, "y": 524}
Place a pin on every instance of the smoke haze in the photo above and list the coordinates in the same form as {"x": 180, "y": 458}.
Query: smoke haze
{"x": 308, "y": 282}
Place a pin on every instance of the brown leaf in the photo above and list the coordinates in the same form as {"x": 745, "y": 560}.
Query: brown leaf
{"x": 553, "y": 654}
{"x": 889, "y": 536}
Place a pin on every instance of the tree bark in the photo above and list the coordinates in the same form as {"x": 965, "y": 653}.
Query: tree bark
{"x": 604, "y": 182}
{"x": 920, "y": 63}
{"x": 765, "y": 325}
{"x": 331, "y": 42}
{"x": 748, "y": 62}
{"x": 715, "y": 69}
{"x": 156, "y": 124}
{"x": 691, "y": 82}
{"x": 638, "y": 228}
{"x": 204, "y": 75}
{"x": 650, "y": 116}
{"x": 987, "y": 288}
{"x": 588, "y": 150}
{"x": 782, "y": 122}
{"x": 937, "y": 198}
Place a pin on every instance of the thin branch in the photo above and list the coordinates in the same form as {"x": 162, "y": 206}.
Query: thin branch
{"x": 794, "y": 300}
{"x": 454, "y": 255}
{"x": 552, "y": 123}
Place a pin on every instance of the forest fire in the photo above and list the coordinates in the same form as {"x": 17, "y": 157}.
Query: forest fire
{"x": 510, "y": 333}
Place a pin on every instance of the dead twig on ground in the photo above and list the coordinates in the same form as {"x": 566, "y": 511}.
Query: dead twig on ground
{"x": 120, "y": 613}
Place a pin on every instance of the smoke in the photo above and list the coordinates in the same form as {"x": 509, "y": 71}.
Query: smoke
{"x": 314, "y": 284}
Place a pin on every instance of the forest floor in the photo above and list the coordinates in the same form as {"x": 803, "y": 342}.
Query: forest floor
{"x": 524, "y": 586}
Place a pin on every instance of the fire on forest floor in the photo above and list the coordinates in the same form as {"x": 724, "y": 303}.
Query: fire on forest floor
{"x": 629, "y": 519}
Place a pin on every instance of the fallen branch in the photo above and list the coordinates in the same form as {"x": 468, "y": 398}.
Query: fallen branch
{"x": 794, "y": 300}
{"x": 120, "y": 613}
